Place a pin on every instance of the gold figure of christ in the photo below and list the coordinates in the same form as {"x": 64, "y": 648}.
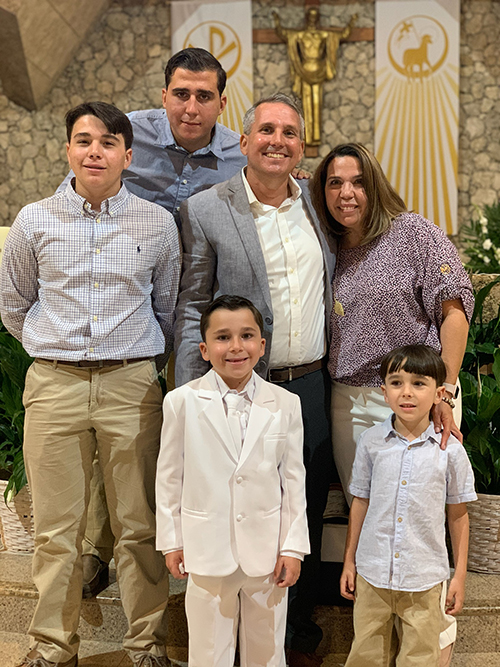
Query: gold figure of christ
{"x": 312, "y": 52}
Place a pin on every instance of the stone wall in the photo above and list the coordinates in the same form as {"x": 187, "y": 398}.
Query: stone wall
{"x": 122, "y": 62}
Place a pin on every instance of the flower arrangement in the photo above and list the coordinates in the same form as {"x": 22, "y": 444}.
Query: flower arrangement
{"x": 481, "y": 240}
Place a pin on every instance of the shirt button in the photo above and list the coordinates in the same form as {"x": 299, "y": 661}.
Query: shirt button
{"x": 403, "y": 482}
{"x": 98, "y": 250}
{"x": 96, "y": 285}
{"x": 290, "y": 270}
{"x": 409, "y": 446}
{"x": 239, "y": 517}
{"x": 91, "y": 349}
{"x": 396, "y": 555}
{"x": 184, "y": 182}
{"x": 177, "y": 208}
{"x": 95, "y": 318}
{"x": 400, "y": 519}
{"x": 296, "y": 334}
{"x": 98, "y": 219}
{"x": 287, "y": 239}
{"x": 239, "y": 480}
{"x": 295, "y": 301}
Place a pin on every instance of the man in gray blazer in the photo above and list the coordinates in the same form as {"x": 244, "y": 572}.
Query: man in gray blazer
{"x": 256, "y": 235}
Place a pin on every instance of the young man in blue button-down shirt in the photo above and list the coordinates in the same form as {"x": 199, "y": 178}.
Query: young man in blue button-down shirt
{"x": 396, "y": 563}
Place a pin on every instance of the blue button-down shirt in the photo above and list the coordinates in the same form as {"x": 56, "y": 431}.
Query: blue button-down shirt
{"x": 167, "y": 174}
{"x": 78, "y": 284}
{"x": 402, "y": 543}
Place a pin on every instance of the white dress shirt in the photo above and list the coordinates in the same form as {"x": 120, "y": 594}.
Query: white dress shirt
{"x": 245, "y": 397}
{"x": 402, "y": 545}
{"x": 296, "y": 274}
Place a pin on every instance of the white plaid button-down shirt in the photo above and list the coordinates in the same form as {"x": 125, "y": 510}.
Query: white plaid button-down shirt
{"x": 78, "y": 284}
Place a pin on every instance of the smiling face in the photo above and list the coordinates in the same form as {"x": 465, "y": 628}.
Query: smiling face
{"x": 193, "y": 104}
{"x": 273, "y": 147}
{"x": 97, "y": 158}
{"x": 233, "y": 345}
{"x": 346, "y": 197}
{"x": 411, "y": 397}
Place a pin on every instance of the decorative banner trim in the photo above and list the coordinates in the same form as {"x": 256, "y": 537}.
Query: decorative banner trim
{"x": 225, "y": 29}
{"x": 417, "y": 103}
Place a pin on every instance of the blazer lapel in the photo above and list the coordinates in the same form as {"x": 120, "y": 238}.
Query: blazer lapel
{"x": 214, "y": 416}
{"x": 261, "y": 414}
{"x": 246, "y": 228}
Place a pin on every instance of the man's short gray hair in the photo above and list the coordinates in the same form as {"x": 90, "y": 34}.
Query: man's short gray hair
{"x": 277, "y": 98}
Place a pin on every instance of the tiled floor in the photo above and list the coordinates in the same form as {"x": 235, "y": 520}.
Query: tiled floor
{"x": 479, "y": 628}
{"x": 14, "y": 646}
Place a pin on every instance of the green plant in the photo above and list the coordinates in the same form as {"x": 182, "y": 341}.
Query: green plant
{"x": 480, "y": 380}
{"x": 481, "y": 240}
{"x": 14, "y": 362}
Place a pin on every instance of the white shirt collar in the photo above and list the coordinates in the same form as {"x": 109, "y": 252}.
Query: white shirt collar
{"x": 248, "y": 389}
{"x": 295, "y": 190}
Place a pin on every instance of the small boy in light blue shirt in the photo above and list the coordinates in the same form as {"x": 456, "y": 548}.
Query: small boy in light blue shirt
{"x": 396, "y": 561}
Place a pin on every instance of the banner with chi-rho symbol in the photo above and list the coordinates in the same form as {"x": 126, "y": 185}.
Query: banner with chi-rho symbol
{"x": 225, "y": 29}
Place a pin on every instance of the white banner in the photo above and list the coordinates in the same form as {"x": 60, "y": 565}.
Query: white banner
{"x": 417, "y": 102}
{"x": 225, "y": 29}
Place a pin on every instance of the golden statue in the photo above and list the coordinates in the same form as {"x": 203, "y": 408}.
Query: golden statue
{"x": 312, "y": 52}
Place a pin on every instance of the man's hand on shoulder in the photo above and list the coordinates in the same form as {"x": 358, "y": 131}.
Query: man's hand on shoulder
{"x": 301, "y": 174}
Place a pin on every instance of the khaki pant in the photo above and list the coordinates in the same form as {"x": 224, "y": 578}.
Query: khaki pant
{"x": 70, "y": 414}
{"x": 99, "y": 538}
{"x": 375, "y": 612}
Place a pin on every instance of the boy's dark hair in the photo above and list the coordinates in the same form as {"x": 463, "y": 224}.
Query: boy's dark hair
{"x": 116, "y": 121}
{"x": 418, "y": 359}
{"x": 229, "y": 302}
{"x": 196, "y": 60}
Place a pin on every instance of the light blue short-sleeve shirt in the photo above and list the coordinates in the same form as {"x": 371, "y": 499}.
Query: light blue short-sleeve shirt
{"x": 402, "y": 544}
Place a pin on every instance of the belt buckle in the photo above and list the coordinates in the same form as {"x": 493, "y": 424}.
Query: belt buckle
{"x": 290, "y": 374}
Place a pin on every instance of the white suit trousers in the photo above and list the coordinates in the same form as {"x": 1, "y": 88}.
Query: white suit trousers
{"x": 214, "y": 608}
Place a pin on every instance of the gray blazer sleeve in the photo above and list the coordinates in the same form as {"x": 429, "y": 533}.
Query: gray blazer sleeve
{"x": 196, "y": 292}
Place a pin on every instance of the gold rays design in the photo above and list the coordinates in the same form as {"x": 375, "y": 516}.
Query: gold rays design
{"x": 416, "y": 138}
{"x": 239, "y": 99}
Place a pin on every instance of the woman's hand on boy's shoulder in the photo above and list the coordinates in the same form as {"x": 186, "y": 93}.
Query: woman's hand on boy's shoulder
{"x": 175, "y": 563}
{"x": 286, "y": 571}
{"x": 348, "y": 581}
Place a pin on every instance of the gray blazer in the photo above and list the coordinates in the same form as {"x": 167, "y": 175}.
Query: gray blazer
{"x": 223, "y": 255}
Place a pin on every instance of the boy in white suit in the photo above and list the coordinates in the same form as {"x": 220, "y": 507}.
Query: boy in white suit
{"x": 230, "y": 495}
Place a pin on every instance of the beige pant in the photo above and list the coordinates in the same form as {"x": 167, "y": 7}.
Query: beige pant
{"x": 70, "y": 414}
{"x": 375, "y": 611}
{"x": 215, "y": 606}
{"x": 99, "y": 538}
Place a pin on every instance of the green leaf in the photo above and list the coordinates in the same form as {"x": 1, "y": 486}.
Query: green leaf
{"x": 481, "y": 296}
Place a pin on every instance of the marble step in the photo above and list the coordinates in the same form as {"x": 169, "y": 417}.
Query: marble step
{"x": 103, "y": 622}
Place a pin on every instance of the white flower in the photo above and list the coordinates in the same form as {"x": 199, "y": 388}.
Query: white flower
{"x": 497, "y": 254}
{"x": 483, "y": 221}
{"x": 487, "y": 244}
{"x": 486, "y": 260}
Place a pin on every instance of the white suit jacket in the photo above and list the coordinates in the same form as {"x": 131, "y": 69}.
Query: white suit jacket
{"x": 227, "y": 510}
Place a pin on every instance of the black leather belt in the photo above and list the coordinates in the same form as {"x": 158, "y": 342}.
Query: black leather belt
{"x": 293, "y": 372}
{"x": 101, "y": 363}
